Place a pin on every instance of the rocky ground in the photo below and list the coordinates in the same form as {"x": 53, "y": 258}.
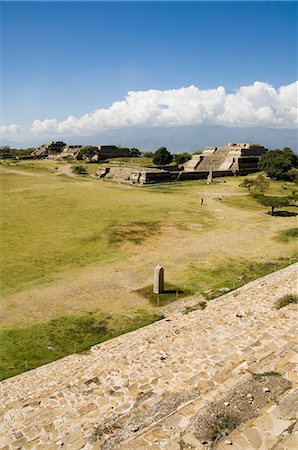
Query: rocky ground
{"x": 219, "y": 377}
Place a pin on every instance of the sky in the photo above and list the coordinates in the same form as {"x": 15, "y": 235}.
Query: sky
{"x": 78, "y": 68}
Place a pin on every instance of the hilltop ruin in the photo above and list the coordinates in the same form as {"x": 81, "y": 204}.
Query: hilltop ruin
{"x": 60, "y": 150}
{"x": 230, "y": 160}
{"x": 234, "y": 157}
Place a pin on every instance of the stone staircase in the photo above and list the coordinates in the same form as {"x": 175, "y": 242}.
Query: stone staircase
{"x": 227, "y": 164}
{"x": 152, "y": 388}
{"x": 193, "y": 163}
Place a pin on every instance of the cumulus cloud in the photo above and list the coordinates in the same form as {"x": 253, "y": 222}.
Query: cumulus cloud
{"x": 259, "y": 104}
{"x": 10, "y": 129}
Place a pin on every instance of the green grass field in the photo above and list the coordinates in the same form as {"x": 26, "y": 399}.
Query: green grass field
{"x": 78, "y": 251}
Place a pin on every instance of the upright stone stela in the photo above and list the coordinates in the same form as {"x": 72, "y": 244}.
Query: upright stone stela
{"x": 158, "y": 286}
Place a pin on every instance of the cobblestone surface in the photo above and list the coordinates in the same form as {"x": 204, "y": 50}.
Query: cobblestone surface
{"x": 144, "y": 389}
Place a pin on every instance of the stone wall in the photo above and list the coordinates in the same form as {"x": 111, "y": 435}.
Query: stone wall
{"x": 111, "y": 151}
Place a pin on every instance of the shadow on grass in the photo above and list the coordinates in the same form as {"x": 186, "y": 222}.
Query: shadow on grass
{"x": 170, "y": 294}
{"x": 284, "y": 214}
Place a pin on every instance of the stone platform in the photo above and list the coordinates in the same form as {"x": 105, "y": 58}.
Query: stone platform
{"x": 150, "y": 388}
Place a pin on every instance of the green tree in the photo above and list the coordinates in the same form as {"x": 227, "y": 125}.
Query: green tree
{"x": 148, "y": 154}
{"x": 181, "y": 158}
{"x": 273, "y": 202}
{"x": 247, "y": 183}
{"x": 5, "y": 151}
{"x": 162, "y": 157}
{"x": 256, "y": 186}
{"x": 260, "y": 185}
{"x": 135, "y": 152}
{"x": 277, "y": 163}
{"x": 293, "y": 175}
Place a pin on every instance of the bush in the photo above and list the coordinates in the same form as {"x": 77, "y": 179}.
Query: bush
{"x": 79, "y": 170}
{"x": 201, "y": 305}
{"x": 223, "y": 426}
{"x": 286, "y": 300}
{"x": 181, "y": 158}
{"x": 135, "y": 152}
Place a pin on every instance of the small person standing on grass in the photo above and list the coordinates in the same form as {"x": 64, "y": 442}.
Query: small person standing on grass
{"x": 202, "y": 201}
{"x": 220, "y": 199}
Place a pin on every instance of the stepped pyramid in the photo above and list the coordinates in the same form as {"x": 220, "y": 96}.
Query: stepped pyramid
{"x": 234, "y": 157}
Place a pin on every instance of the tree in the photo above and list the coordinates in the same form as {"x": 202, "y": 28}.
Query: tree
{"x": 273, "y": 202}
{"x": 135, "y": 152}
{"x": 247, "y": 183}
{"x": 181, "y": 158}
{"x": 293, "y": 175}
{"x": 162, "y": 157}
{"x": 5, "y": 151}
{"x": 148, "y": 154}
{"x": 260, "y": 185}
{"x": 277, "y": 163}
{"x": 256, "y": 186}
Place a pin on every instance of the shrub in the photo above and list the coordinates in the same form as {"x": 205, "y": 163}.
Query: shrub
{"x": 135, "y": 152}
{"x": 223, "y": 426}
{"x": 286, "y": 300}
{"x": 80, "y": 170}
{"x": 181, "y": 158}
{"x": 201, "y": 305}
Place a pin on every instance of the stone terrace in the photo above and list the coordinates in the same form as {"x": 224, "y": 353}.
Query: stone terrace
{"x": 146, "y": 389}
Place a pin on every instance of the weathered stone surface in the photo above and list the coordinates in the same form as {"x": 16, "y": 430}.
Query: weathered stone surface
{"x": 145, "y": 389}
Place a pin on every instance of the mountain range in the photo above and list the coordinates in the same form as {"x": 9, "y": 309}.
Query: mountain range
{"x": 175, "y": 139}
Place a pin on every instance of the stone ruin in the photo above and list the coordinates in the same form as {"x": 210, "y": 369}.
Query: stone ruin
{"x": 46, "y": 150}
{"x": 230, "y": 160}
{"x": 60, "y": 150}
{"x": 231, "y": 157}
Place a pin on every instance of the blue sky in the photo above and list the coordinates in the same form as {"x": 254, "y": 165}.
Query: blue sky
{"x": 71, "y": 58}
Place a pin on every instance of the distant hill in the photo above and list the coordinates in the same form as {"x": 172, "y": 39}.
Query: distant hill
{"x": 177, "y": 139}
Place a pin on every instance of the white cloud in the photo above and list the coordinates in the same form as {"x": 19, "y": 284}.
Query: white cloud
{"x": 259, "y": 104}
{"x": 10, "y": 129}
